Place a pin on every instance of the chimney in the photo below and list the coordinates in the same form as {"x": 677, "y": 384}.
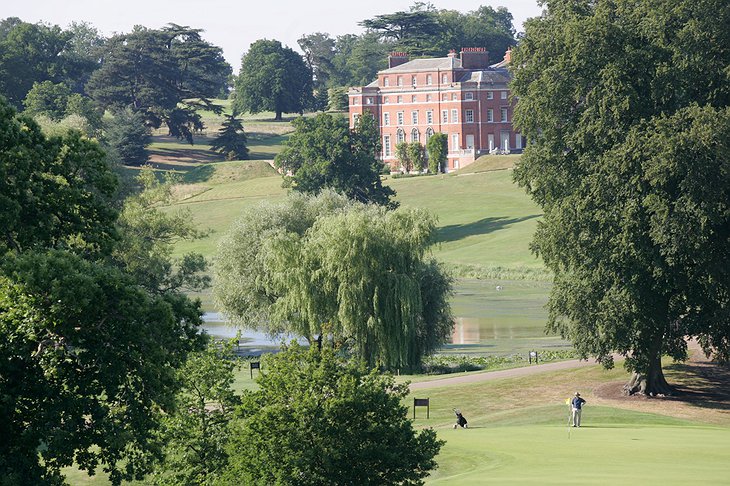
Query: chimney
{"x": 397, "y": 58}
{"x": 474, "y": 58}
{"x": 508, "y": 55}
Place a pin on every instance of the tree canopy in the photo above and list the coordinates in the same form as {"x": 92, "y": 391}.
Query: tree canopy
{"x": 425, "y": 31}
{"x": 88, "y": 345}
{"x": 324, "y": 153}
{"x": 273, "y": 78}
{"x": 319, "y": 420}
{"x": 628, "y": 158}
{"x": 319, "y": 266}
{"x": 165, "y": 74}
{"x": 438, "y": 151}
{"x": 30, "y": 53}
{"x": 54, "y": 192}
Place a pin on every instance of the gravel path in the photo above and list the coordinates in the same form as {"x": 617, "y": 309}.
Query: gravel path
{"x": 496, "y": 375}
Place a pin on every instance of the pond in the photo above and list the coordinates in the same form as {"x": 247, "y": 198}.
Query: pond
{"x": 493, "y": 317}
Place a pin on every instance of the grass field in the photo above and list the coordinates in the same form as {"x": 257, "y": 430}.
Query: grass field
{"x": 518, "y": 432}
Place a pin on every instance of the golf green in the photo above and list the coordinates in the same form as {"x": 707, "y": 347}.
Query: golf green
{"x": 612, "y": 447}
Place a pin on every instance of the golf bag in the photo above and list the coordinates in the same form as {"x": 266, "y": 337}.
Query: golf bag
{"x": 460, "y": 420}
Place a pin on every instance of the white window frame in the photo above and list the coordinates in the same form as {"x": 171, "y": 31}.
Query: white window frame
{"x": 413, "y": 98}
{"x": 503, "y": 95}
{"x": 415, "y": 135}
{"x": 429, "y": 79}
{"x": 468, "y": 96}
{"x": 386, "y": 81}
{"x": 454, "y": 141}
{"x": 490, "y": 115}
{"x": 454, "y": 116}
{"x": 503, "y": 115}
{"x": 400, "y": 81}
{"x": 399, "y": 99}
{"x": 400, "y": 135}
{"x": 444, "y": 116}
{"x": 386, "y": 119}
{"x": 414, "y": 117}
{"x": 429, "y": 117}
{"x": 469, "y": 116}
{"x": 401, "y": 118}
{"x": 386, "y": 146}
{"x": 444, "y": 79}
{"x": 490, "y": 95}
{"x": 414, "y": 80}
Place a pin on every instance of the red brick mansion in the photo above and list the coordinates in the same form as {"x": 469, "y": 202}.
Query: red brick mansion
{"x": 464, "y": 97}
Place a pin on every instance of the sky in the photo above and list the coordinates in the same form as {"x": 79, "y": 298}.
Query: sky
{"x": 234, "y": 25}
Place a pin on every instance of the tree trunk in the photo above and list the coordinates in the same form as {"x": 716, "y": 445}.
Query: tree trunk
{"x": 278, "y": 116}
{"x": 651, "y": 383}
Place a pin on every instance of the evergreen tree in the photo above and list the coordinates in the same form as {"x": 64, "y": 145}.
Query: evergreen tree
{"x": 127, "y": 136}
{"x": 231, "y": 140}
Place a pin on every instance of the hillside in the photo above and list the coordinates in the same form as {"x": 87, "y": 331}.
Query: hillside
{"x": 485, "y": 221}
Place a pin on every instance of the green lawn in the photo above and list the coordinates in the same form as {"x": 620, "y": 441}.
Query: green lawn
{"x": 518, "y": 434}
{"x": 484, "y": 219}
{"x": 614, "y": 447}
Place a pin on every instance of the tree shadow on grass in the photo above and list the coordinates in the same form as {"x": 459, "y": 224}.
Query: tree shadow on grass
{"x": 707, "y": 384}
{"x": 189, "y": 155}
{"x": 456, "y": 232}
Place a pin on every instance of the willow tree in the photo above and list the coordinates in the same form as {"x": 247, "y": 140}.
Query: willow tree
{"x": 323, "y": 265}
{"x": 626, "y": 108}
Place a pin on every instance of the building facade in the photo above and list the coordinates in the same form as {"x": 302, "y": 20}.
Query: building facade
{"x": 462, "y": 96}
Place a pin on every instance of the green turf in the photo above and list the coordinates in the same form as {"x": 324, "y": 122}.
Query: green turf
{"x": 484, "y": 219}
{"x": 614, "y": 447}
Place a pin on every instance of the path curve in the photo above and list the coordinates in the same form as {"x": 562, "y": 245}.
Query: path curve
{"x": 496, "y": 375}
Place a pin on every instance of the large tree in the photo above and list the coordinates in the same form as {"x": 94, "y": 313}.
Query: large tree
{"x": 318, "y": 420}
{"x": 165, "y": 74}
{"x": 425, "y": 31}
{"x": 273, "y": 78}
{"x": 54, "y": 192}
{"x": 29, "y": 53}
{"x": 626, "y": 108}
{"x": 319, "y": 266}
{"x": 324, "y": 153}
{"x": 319, "y": 52}
{"x": 88, "y": 345}
{"x": 414, "y": 31}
